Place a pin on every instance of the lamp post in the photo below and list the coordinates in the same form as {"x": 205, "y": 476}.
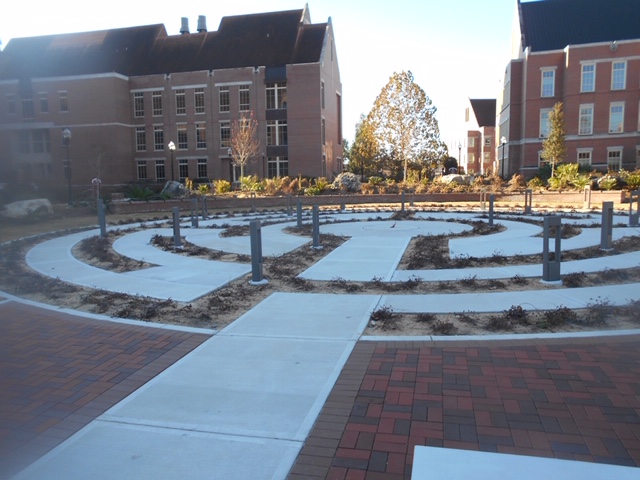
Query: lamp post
{"x": 503, "y": 143}
{"x": 172, "y": 148}
{"x": 66, "y": 141}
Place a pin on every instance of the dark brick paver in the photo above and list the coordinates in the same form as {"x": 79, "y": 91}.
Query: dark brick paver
{"x": 58, "y": 372}
{"x": 571, "y": 399}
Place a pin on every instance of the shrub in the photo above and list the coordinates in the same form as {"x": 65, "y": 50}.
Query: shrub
{"x": 376, "y": 180}
{"x": 608, "y": 183}
{"x": 251, "y": 183}
{"x": 221, "y": 186}
{"x": 444, "y": 327}
{"x": 633, "y": 180}
{"x": 535, "y": 183}
{"x": 140, "y": 193}
{"x": 203, "y": 188}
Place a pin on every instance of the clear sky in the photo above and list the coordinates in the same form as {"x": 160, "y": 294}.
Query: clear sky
{"x": 455, "y": 49}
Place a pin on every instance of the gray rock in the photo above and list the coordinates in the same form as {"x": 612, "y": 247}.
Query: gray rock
{"x": 174, "y": 189}
{"x": 455, "y": 178}
{"x": 27, "y": 208}
{"x": 347, "y": 181}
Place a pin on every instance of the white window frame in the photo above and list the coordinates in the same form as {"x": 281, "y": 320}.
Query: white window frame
{"x": 63, "y": 98}
{"x": 183, "y": 167}
{"x": 141, "y": 168}
{"x": 158, "y": 138}
{"x": 225, "y": 134}
{"x": 588, "y": 86}
{"x": 614, "y": 152}
{"x": 487, "y": 141}
{"x": 619, "y": 128}
{"x": 281, "y": 165}
{"x": 182, "y": 137}
{"x": 276, "y": 96}
{"x": 244, "y": 103}
{"x": 582, "y": 154}
{"x": 586, "y": 112}
{"x": 44, "y": 102}
{"x": 138, "y": 104}
{"x": 202, "y": 168}
{"x": 277, "y": 132}
{"x": 156, "y": 103}
{"x": 198, "y": 100}
{"x": 545, "y": 82}
{"x": 201, "y": 136}
{"x": 141, "y": 139}
{"x": 181, "y": 102}
{"x": 224, "y": 100}
{"x": 161, "y": 173}
{"x": 616, "y": 82}
{"x": 544, "y": 121}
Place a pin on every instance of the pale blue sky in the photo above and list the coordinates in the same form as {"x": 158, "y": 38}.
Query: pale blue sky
{"x": 455, "y": 49}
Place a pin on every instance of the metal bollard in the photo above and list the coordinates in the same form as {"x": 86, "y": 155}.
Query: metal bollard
{"x": 483, "y": 200}
{"x": 102, "y": 221}
{"x": 194, "y": 212}
{"x": 316, "y": 228}
{"x": 633, "y": 217}
{"x": 587, "y": 198}
{"x": 256, "y": 253}
{"x": 176, "y": 227}
{"x": 205, "y": 213}
{"x": 492, "y": 199}
{"x": 551, "y": 268}
{"x": 528, "y": 201}
{"x": 289, "y": 205}
{"x": 402, "y": 197}
{"x": 299, "y": 214}
{"x": 606, "y": 234}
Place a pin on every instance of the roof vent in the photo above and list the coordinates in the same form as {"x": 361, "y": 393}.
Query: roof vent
{"x": 202, "y": 23}
{"x": 184, "y": 28}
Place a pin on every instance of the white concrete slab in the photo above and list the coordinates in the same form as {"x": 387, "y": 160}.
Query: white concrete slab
{"x": 432, "y": 463}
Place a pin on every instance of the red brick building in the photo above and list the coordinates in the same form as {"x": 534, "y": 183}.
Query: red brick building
{"x": 126, "y": 94}
{"x": 480, "y": 120}
{"x": 585, "y": 54}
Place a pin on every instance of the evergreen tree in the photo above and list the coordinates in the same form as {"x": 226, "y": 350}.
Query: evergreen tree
{"x": 365, "y": 149}
{"x": 554, "y": 149}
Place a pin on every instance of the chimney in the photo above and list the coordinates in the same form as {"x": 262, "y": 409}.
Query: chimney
{"x": 202, "y": 23}
{"x": 184, "y": 28}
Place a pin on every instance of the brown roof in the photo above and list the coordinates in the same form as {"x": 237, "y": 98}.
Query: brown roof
{"x": 264, "y": 39}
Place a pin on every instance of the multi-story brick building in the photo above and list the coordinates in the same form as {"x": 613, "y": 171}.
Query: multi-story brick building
{"x": 480, "y": 120}
{"x": 585, "y": 54}
{"x": 126, "y": 94}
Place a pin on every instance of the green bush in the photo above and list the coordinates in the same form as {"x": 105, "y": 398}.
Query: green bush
{"x": 251, "y": 183}
{"x": 535, "y": 182}
{"x": 140, "y": 193}
{"x": 221, "y": 186}
{"x": 376, "y": 180}
{"x": 608, "y": 183}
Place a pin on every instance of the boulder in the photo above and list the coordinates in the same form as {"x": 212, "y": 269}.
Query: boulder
{"x": 347, "y": 181}
{"x": 27, "y": 208}
{"x": 455, "y": 178}
{"x": 174, "y": 189}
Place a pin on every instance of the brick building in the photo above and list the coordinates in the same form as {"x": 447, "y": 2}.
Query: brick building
{"x": 480, "y": 120}
{"x": 126, "y": 94}
{"x": 586, "y": 54}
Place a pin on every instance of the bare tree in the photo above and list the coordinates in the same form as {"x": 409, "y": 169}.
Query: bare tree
{"x": 245, "y": 144}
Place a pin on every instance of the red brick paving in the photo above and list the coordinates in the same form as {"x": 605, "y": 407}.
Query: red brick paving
{"x": 58, "y": 372}
{"x": 571, "y": 399}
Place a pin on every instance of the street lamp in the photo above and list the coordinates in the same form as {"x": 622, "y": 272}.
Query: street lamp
{"x": 503, "y": 143}
{"x": 172, "y": 148}
{"x": 66, "y": 141}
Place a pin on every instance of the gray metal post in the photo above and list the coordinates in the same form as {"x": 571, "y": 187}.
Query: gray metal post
{"x": 411, "y": 199}
{"x": 587, "y": 197}
{"x": 402, "y": 199}
{"x": 289, "y": 205}
{"x": 634, "y": 217}
{"x": 342, "y": 205}
{"x": 176, "y": 227}
{"x": 483, "y": 200}
{"x": 253, "y": 201}
{"x": 492, "y": 199}
{"x": 205, "y": 213}
{"x": 606, "y": 234}
{"x": 194, "y": 212}
{"x": 256, "y": 253}
{"x": 102, "y": 221}
{"x": 551, "y": 268}
{"x": 528, "y": 201}
{"x": 299, "y": 214}
{"x": 316, "y": 228}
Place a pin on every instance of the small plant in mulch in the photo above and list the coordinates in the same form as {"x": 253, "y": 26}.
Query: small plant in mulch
{"x": 495, "y": 284}
{"x": 470, "y": 282}
{"x": 466, "y": 317}
{"x": 444, "y": 327}
{"x": 342, "y": 284}
{"x": 384, "y": 317}
{"x": 573, "y": 280}
{"x": 499, "y": 322}
{"x": 411, "y": 283}
{"x": 519, "y": 280}
{"x": 516, "y": 314}
{"x": 558, "y": 317}
{"x": 236, "y": 231}
{"x": 301, "y": 284}
{"x": 599, "y": 310}
{"x": 426, "y": 318}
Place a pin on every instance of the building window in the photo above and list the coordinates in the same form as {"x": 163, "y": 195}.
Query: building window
{"x": 158, "y": 138}
{"x": 277, "y": 132}
{"x": 544, "y": 122}
{"x": 616, "y": 117}
{"x": 183, "y": 169}
{"x": 619, "y": 75}
{"x": 141, "y": 139}
{"x": 588, "y": 83}
{"x": 225, "y": 101}
{"x": 138, "y": 104}
{"x": 277, "y": 167}
{"x": 323, "y": 132}
{"x": 322, "y": 93}
{"x": 160, "y": 175}
{"x": 41, "y": 141}
{"x": 276, "y": 96}
{"x": 11, "y": 104}
{"x": 156, "y": 100}
{"x": 64, "y": 101}
{"x": 586, "y": 120}
{"x": 584, "y": 158}
{"x": 472, "y": 158}
{"x": 614, "y": 158}
{"x": 225, "y": 134}
{"x": 181, "y": 102}
{"x": 637, "y": 157}
{"x": 245, "y": 98}
{"x": 44, "y": 103}
{"x": 27, "y": 109}
{"x": 487, "y": 157}
{"x": 548, "y": 83}
{"x": 142, "y": 170}
{"x": 487, "y": 141}
{"x": 471, "y": 141}
{"x": 201, "y": 135}
{"x": 339, "y": 112}
{"x": 202, "y": 168}
{"x": 183, "y": 142}
{"x": 198, "y": 98}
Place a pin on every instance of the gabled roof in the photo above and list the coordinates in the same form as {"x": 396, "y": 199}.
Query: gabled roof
{"x": 264, "y": 39}
{"x": 484, "y": 110}
{"x": 554, "y": 24}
